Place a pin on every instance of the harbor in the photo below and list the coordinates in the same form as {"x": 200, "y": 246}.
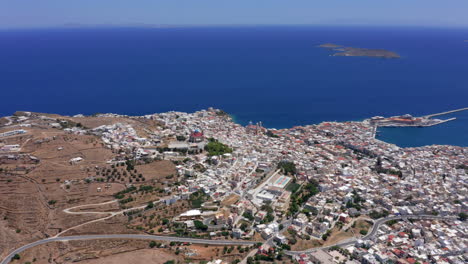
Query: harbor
{"x": 447, "y": 112}
{"x": 408, "y": 120}
{"x": 450, "y": 133}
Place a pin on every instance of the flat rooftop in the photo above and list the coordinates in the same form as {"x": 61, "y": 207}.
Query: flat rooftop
{"x": 280, "y": 181}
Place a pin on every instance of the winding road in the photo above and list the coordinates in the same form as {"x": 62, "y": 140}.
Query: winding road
{"x": 373, "y": 232}
{"x": 110, "y": 214}
{"x": 126, "y": 236}
{"x": 9, "y": 121}
{"x": 58, "y": 237}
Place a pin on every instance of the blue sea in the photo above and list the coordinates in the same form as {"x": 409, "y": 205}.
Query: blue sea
{"x": 276, "y": 75}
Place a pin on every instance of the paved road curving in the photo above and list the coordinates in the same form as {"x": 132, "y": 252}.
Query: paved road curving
{"x": 69, "y": 210}
{"x": 58, "y": 237}
{"x": 126, "y": 236}
{"x": 373, "y": 232}
{"x": 370, "y": 235}
{"x": 109, "y": 214}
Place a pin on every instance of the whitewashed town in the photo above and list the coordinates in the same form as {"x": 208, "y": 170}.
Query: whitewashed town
{"x": 325, "y": 193}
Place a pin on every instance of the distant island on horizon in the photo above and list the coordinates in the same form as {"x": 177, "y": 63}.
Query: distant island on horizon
{"x": 360, "y": 52}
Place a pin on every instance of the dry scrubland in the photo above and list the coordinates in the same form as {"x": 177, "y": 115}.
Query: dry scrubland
{"x": 337, "y": 234}
{"x": 33, "y": 194}
{"x": 97, "y": 251}
{"x": 123, "y": 251}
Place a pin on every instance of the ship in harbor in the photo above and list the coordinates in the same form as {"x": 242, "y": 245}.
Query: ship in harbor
{"x": 408, "y": 120}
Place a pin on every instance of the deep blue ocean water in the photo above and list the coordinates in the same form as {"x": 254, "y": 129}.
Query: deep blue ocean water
{"x": 276, "y": 75}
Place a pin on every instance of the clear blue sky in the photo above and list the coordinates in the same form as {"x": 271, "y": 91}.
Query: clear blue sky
{"x": 45, "y": 13}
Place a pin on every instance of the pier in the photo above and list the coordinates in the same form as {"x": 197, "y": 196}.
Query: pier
{"x": 374, "y": 131}
{"x": 433, "y": 122}
{"x": 447, "y": 112}
{"x": 410, "y": 121}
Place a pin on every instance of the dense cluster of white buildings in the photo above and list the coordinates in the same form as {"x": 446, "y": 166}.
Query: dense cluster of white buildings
{"x": 357, "y": 175}
{"x": 419, "y": 241}
{"x": 403, "y": 242}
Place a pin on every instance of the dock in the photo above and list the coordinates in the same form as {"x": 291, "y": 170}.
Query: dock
{"x": 433, "y": 123}
{"x": 447, "y": 112}
{"x": 438, "y": 122}
{"x": 374, "y": 131}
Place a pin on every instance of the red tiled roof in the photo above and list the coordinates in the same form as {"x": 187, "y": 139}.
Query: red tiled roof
{"x": 196, "y": 134}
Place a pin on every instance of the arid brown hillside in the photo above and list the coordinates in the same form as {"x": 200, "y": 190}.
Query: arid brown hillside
{"x": 49, "y": 168}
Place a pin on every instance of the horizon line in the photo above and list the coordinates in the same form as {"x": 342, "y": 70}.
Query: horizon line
{"x": 162, "y": 26}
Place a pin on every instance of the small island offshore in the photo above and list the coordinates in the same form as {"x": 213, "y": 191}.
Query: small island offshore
{"x": 360, "y": 52}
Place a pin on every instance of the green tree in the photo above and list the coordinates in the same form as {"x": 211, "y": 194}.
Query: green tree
{"x": 248, "y": 216}
{"x": 215, "y": 148}
{"x": 244, "y": 226}
{"x": 150, "y": 205}
{"x": 200, "y": 225}
{"x": 271, "y": 134}
{"x": 287, "y": 167}
{"x": 462, "y": 216}
{"x": 152, "y": 244}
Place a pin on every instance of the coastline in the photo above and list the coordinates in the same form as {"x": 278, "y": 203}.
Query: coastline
{"x": 401, "y": 136}
{"x": 275, "y": 76}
